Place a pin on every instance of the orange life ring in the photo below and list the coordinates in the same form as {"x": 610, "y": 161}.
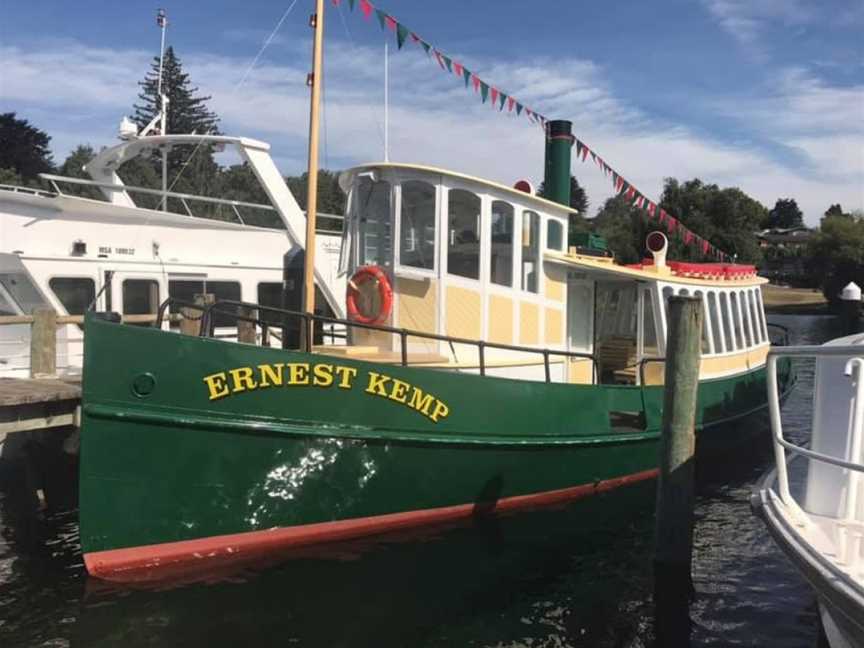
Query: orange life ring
{"x": 363, "y": 275}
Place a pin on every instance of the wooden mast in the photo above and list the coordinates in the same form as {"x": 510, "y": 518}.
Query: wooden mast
{"x": 314, "y": 80}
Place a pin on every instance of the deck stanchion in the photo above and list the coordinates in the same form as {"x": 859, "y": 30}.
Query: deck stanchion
{"x": 246, "y": 325}
{"x": 481, "y": 352}
{"x": 546, "y": 365}
{"x": 43, "y": 343}
{"x": 403, "y": 343}
{"x": 675, "y": 497}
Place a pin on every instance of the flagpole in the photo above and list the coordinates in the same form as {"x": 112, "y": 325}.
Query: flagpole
{"x": 314, "y": 79}
{"x": 162, "y": 21}
{"x": 386, "y": 101}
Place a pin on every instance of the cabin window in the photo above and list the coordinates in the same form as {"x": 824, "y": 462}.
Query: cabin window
{"x": 417, "y": 224}
{"x": 21, "y": 290}
{"x": 75, "y": 293}
{"x": 738, "y": 322}
{"x": 760, "y": 310}
{"x": 373, "y": 212}
{"x": 649, "y": 330}
{"x": 667, "y": 293}
{"x": 728, "y": 327}
{"x": 706, "y": 338}
{"x": 754, "y": 318}
{"x": 463, "y": 234}
{"x": 554, "y": 235}
{"x": 716, "y": 323}
{"x": 140, "y": 296}
{"x": 6, "y": 307}
{"x": 745, "y": 316}
{"x": 530, "y": 251}
{"x": 186, "y": 289}
{"x": 501, "y": 257}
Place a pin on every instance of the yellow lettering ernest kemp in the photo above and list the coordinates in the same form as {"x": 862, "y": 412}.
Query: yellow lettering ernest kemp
{"x": 290, "y": 374}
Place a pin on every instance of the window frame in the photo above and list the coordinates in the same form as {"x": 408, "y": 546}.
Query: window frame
{"x": 409, "y": 271}
{"x": 91, "y": 278}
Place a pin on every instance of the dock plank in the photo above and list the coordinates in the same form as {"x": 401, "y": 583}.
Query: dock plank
{"x": 27, "y": 391}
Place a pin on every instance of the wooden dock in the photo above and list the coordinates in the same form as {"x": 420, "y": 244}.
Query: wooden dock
{"x": 37, "y": 404}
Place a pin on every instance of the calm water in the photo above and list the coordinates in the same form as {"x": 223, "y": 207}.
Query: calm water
{"x": 579, "y": 576}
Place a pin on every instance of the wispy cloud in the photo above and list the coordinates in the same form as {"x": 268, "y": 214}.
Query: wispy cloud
{"x": 746, "y": 19}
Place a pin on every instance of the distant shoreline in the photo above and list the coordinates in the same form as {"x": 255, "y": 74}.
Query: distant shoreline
{"x": 783, "y": 300}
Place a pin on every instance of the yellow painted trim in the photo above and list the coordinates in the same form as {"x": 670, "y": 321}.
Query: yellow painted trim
{"x": 529, "y": 323}
{"x": 733, "y": 362}
{"x": 580, "y": 371}
{"x": 597, "y": 265}
{"x": 500, "y": 319}
{"x": 418, "y": 304}
{"x": 554, "y": 326}
{"x": 522, "y": 197}
{"x": 556, "y": 279}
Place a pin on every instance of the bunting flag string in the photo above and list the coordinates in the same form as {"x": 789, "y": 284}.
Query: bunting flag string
{"x": 498, "y": 99}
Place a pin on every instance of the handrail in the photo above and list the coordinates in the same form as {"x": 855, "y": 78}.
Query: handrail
{"x": 784, "y": 340}
{"x": 27, "y": 190}
{"x": 781, "y": 444}
{"x": 143, "y": 318}
{"x": 403, "y": 334}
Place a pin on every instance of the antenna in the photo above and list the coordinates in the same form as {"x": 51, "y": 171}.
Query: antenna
{"x": 386, "y": 101}
{"x": 162, "y": 21}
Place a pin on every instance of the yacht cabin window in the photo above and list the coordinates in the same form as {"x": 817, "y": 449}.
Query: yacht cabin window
{"x": 501, "y": 256}
{"x": 373, "y": 216}
{"x": 417, "y": 225}
{"x": 186, "y": 289}
{"x": 75, "y": 293}
{"x": 530, "y": 251}
{"x": 21, "y": 291}
{"x": 463, "y": 234}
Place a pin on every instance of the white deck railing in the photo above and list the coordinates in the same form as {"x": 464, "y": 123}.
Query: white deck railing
{"x": 854, "y": 368}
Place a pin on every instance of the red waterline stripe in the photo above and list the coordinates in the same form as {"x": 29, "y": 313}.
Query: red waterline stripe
{"x": 153, "y": 562}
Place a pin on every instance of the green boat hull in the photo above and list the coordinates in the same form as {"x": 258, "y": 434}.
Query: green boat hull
{"x": 196, "y": 449}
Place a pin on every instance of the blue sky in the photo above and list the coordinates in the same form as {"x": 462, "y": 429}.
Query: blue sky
{"x": 767, "y": 95}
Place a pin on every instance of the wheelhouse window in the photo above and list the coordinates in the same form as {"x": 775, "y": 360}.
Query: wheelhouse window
{"x": 716, "y": 323}
{"x": 728, "y": 327}
{"x": 530, "y": 251}
{"x": 373, "y": 215}
{"x": 140, "y": 296}
{"x": 21, "y": 291}
{"x": 554, "y": 235}
{"x": 706, "y": 338}
{"x": 463, "y": 234}
{"x": 75, "y": 293}
{"x": 501, "y": 257}
{"x": 738, "y": 322}
{"x": 417, "y": 225}
{"x": 754, "y": 318}
{"x": 186, "y": 289}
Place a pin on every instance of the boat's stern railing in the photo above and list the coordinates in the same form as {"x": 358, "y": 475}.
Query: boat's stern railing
{"x": 854, "y": 370}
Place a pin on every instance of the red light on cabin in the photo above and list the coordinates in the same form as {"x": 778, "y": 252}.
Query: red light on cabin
{"x": 524, "y": 186}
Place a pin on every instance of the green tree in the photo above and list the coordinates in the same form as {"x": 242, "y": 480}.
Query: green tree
{"x": 191, "y": 169}
{"x": 579, "y": 202}
{"x": 73, "y": 167}
{"x": 624, "y": 228}
{"x": 331, "y": 199}
{"x": 785, "y": 214}
{"x": 24, "y": 148}
{"x": 837, "y": 210}
{"x": 836, "y": 253}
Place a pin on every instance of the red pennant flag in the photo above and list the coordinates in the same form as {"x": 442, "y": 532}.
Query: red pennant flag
{"x": 619, "y": 183}
{"x": 663, "y": 215}
{"x": 415, "y": 37}
{"x": 475, "y": 80}
{"x": 688, "y": 237}
{"x": 457, "y": 69}
{"x": 391, "y": 22}
{"x": 585, "y": 152}
{"x": 651, "y": 208}
{"x": 671, "y": 223}
{"x": 510, "y": 103}
{"x": 494, "y": 96}
{"x": 630, "y": 193}
{"x": 639, "y": 202}
{"x": 705, "y": 246}
{"x": 366, "y": 8}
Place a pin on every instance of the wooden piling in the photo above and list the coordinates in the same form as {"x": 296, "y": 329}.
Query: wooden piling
{"x": 675, "y": 488}
{"x": 245, "y": 329}
{"x": 43, "y": 343}
{"x": 191, "y": 322}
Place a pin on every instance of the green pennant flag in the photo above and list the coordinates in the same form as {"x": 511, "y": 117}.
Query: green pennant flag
{"x": 503, "y": 101}
{"x": 518, "y": 108}
{"x": 382, "y": 18}
{"x": 426, "y": 46}
{"x": 467, "y": 74}
{"x": 484, "y": 91}
{"x": 351, "y": 4}
{"x": 401, "y": 34}
{"x": 578, "y": 149}
{"x": 448, "y": 62}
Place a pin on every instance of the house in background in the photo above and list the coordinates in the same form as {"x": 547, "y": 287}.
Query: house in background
{"x": 784, "y": 254}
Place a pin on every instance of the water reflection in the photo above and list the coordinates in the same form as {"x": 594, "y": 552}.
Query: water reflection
{"x": 579, "y": 576}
